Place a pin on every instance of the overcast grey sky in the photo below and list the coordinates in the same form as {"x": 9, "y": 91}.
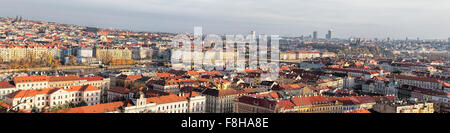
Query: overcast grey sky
{"x": 427, "y": 19}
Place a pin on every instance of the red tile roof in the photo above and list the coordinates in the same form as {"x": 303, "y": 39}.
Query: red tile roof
{"x": 62, "y": 78}
{"x": 95, "y": 78}
{"x": 34, "y": 92}
{"x": 193, "y": 72}
{"x": 98, "y": 108}
{"x": 163, "y": 75}
{"x": 133, "y": 77}
{"x": 291, "y": 87}
{"x": 4, "y": 105}
{"x": 273, "y": 95}
{"x": 6, "y": 84}
{"x": 425, "y": 79}
{"x": 83, "y": 88}
{"x": 260, "y": 102}
{"x": 120, "y": 90}
{"x": 286, "y": 104}
{"x": 24, "y": 79}
{"x": 359, "y": 111}
{"x": 166, "y": 99}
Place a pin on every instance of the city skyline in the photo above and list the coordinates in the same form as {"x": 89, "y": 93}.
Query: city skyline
{"x": 399, "y": 19}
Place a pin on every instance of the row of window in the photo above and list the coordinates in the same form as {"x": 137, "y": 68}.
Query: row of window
{"x": 31, "y": 85}
{"x": 6, "y": 92}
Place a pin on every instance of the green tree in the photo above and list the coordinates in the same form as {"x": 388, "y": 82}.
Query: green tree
{"x": 82, "y": 103}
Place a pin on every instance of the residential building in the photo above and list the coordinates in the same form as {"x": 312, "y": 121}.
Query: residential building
{"x": 404, "y": 107}
{"x": 41, "y": 99}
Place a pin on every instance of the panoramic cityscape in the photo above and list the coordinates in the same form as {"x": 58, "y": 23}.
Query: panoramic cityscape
{"x": 50, "y": 67}
{"x": 221, "y": 57}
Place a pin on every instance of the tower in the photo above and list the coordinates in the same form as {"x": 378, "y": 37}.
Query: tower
{"x": 253, "y": 33}
{"x": 315, "y": 35}
{"x": 330, "y": 35}
{"x": 141, "y": 100}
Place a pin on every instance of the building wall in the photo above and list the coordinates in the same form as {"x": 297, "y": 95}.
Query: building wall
{"x": 5, "y": 91}
{"x": 421, "y": 84}
{"x": 32, "y": 85}
{"x": 239, "y": 107}
{"x": 222, "y": 104}
{"x": 57, "y": 98}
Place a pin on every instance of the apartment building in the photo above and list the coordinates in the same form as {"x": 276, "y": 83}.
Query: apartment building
{"x": 41, "y": 99}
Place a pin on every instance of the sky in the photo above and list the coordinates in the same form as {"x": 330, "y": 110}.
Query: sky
{"x": 426, "y": 19}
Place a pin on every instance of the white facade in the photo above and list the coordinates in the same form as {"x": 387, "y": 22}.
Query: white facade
{"x": 50, "y": 97}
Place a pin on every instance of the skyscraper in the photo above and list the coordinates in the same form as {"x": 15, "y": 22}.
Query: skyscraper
{"x": 315, "y": 35}
{"x": 253, "y": 33}
{"x": 330, "y": 35}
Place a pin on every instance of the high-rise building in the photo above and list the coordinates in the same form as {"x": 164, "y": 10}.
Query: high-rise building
{"x": 315, "y": 35}
{"x": 253, "y": 33}
{"x": 329, "y": 36}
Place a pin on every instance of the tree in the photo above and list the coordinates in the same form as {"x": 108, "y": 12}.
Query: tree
{"x": 82, "y": 103}
{"x": 107, "y": 58}
{"x": 34, "y": 110}
{"x": 72, "y": 105}
{"x": 72, "y": 60}
{"x": 55, "y": 63}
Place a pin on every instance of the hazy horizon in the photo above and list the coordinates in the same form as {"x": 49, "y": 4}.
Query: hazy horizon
{"x": 350, "y": 18}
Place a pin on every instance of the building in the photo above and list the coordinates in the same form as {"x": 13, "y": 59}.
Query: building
{"x": 171, "y": 103}
{"x": 6, "y": 87}
{"x": 118, "y": 94}
{"x": 299, "y": 55}
{"x": 422, "y": 82}
{"x": 312, "y": 64}
{"x": 315, "y": 35}
{"x": 330, "y": 34}
{"x": 112, "y": 107}
{"x": 139, "y": 53}
{"x": 31, "y": 82}
{"x": 305, "y": 104}
{"x": 43, "y": 81}
{"x": 85, "y": 55}
{"x": 117, "y": 55}
{"x": 404, "y": 107}
{"x": 19, "y": 52}
{"x": 308, "y": 104}
{"x": 127, "y": 80}
{"x": 221, "y": 100}
{"x": 293, "y": 89}
{"x": 380, "y": 85}
{"x": 248, "y": 104}
{"x": 63, "y": 81}
{"x": 102, "y": 83}
{"x": 41, "y": 99}
{"x": 174, "y": 86}
{"x": 181, "y": 103}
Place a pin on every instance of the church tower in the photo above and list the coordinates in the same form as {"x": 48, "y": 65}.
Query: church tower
{"x": 141, "y": 101}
